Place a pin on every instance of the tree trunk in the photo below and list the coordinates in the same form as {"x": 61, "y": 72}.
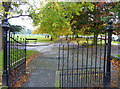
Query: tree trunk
{"x": 76, "y": 36}
{"x": 51, "y": 39}
{"x": 66, "y": 37}
{"x": 70, "y": 38}
{"x": 95, "y": 38}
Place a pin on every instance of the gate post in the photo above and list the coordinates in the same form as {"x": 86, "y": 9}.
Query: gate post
{"x": 108, "y": 67}
{"x": 5, "y": 27}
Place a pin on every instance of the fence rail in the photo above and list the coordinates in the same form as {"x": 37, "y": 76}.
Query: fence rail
{"x": 14, "y": 56}
{"x": 16, "y": 59}
{"x": 81, "y": 64}
{"x": 86, "y": 64}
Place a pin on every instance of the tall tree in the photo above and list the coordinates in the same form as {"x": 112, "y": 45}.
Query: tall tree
{"x": 17, "y": 28}
{"x": 93, "y": 21}
{"x": 54, "y": 18}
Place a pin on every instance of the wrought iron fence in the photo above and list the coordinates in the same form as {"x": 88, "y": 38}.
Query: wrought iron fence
{"x": 14, "y": 57}
{"x": 17, "y": 58}
{"x": 82, "y": 64}
{"x": 86, "y": 64}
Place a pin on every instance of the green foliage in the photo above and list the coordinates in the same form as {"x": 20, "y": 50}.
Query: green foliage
{"x": 17, "y": 28}
{"x": 11, "y": 9}
{"x": 54, "y": 17}
{"x": 94, "y": 21}
{"x": 116, "y": 9}
{"x": 1, "y": 10}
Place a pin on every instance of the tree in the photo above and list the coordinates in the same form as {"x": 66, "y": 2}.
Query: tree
{"x": 17, "y": 28}
{"x": 116, "y": 11}
{"x": 93, "y": 22}
{"x": 80, "y": 23}
{"x": 14, "y": 9}
{"x": 54, "y": 18}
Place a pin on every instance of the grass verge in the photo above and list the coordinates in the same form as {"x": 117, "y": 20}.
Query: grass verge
{"x": 117, "y": 55}
{"x": 116, "y": 42}
{"x": 29, "y": 53}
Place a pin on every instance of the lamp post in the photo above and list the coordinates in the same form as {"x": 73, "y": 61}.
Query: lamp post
{"x": 108, "y": 67}
{"x": 5, "y": 27}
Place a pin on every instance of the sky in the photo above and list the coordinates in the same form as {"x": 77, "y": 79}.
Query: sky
{"x": 23, "y": 21}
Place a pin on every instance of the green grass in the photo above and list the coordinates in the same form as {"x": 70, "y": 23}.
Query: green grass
{"x": 57, "y": 79}
{"x": 116, "y": 42}
{"x": 40, "y": 38}
{"x": 3, "y": 87}
{"x": 28, "y": 54}
{"x": 117, "y": 55}
{"x": 82, "y": 40}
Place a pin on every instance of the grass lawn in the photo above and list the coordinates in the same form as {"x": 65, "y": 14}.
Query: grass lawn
{"x": 40, "y": 38}
{"x": 28, "y": 54}
{"x": 82, "y": 40}
{"x": 117, "y": 55}
{"x": 116, "y": 42}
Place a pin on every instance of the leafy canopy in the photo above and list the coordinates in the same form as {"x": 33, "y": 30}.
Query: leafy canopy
{"x": 54, "y": 17}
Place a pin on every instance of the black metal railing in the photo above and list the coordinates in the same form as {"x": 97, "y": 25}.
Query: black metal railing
{"x": 17, "y": 58}
{"x": 81, "y": 65}
{"x": 86, "y": 64}
{"x": 14, "y": 56}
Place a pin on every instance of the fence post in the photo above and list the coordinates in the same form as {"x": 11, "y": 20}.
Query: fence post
{"x": 108, "y": 67}
{"x": 5, "y": 27}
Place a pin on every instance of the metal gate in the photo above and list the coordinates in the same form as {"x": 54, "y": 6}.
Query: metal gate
{"x": 14, "y": 56}
{"x": 86, "y": 64}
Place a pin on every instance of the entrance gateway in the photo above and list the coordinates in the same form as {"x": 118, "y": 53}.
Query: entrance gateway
{"x": 86, "y": 64}
{"x": 14, "y": 56}
{"x": 79, "y": 65}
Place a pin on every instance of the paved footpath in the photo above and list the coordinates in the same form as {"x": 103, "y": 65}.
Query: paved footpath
{"x": 43, "y": 67}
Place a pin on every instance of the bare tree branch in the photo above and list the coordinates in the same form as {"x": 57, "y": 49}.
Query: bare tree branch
{"x": 18, "y": 16}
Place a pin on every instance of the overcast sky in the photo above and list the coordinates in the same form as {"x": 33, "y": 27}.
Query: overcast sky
{"x": 23, "y": 21}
